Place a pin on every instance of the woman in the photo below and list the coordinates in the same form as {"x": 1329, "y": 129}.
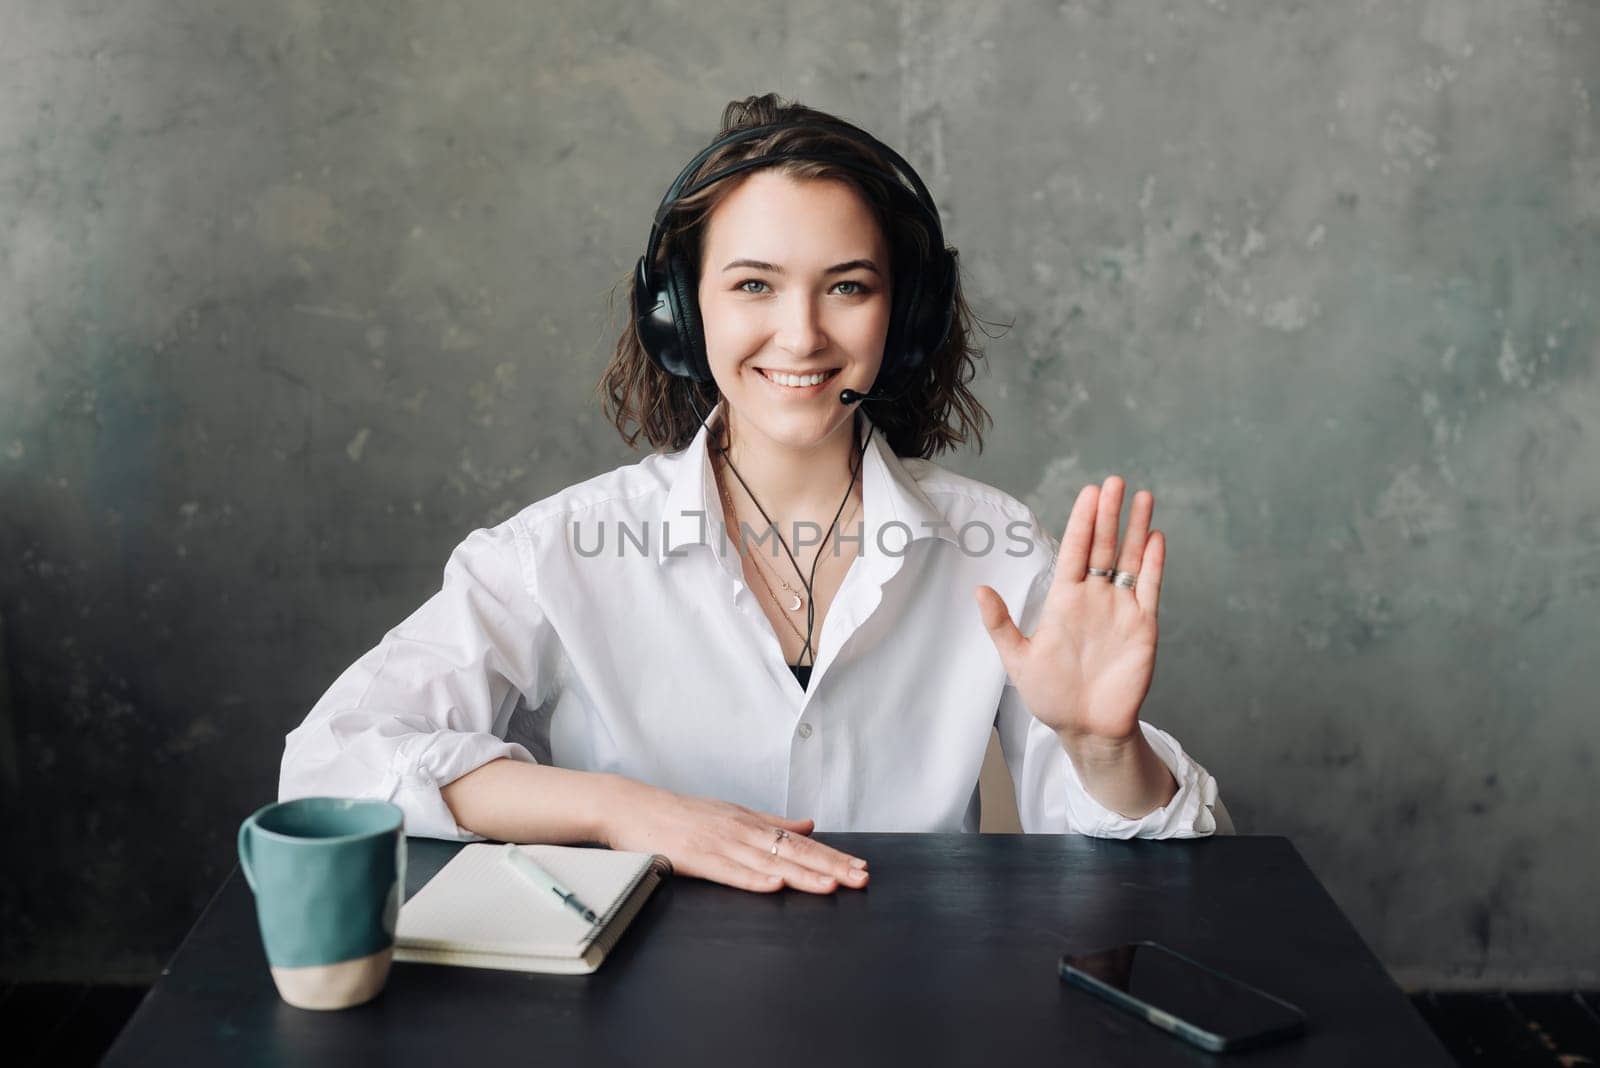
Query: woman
{"x": 601, "y": 668}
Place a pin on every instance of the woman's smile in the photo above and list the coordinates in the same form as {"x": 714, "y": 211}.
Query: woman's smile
{"x": 797, "y": 387}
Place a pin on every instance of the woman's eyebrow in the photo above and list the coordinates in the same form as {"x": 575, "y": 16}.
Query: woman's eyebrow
{"x": 838, "y": 268}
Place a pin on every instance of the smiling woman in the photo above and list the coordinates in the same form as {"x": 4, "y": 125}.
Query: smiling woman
{"x": 799, "y": 351}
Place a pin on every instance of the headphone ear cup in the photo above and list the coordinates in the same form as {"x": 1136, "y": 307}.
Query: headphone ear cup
{"x": 926, "y": 320}
{"x": 897, "y": 357}
{"x": 686, "y": 314}
{"x": 935, "y": 309}
{"x": 653, "y": 320}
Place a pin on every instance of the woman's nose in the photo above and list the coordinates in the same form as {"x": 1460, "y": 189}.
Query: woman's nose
{"x": 800, "y": 327}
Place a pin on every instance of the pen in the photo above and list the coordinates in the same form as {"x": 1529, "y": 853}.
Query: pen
{"x": 545, "y": 881}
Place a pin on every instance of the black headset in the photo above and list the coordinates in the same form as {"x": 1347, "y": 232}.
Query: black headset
{"x": 667, "y": 309}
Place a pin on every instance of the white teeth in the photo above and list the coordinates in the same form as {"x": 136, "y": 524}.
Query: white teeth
{"x": 796, "y": 380}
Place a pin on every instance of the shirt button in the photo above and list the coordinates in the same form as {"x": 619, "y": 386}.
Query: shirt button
{"x": 805, "y": 730}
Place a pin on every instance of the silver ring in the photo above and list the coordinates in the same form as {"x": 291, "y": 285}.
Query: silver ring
{"x": 1125, "y": 579}
{"x": 1102, "y": 572}
{"x": 782, "y": 834}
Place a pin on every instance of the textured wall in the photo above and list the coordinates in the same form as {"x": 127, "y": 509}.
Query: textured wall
{"x": 292, "y": 297}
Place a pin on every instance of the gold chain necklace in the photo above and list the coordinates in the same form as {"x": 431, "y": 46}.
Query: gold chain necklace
{"x": 796, "y": 598}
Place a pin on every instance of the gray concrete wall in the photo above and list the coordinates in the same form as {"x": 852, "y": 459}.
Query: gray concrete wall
{"x": 295, "y": 295}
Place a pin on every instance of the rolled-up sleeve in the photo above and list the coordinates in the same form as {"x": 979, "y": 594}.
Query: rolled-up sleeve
{"x": 1051, "y": 798}
{"x": 434, "y": 698}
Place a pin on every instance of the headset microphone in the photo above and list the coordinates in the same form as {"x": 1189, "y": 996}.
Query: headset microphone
{"x": 880, "y": 391}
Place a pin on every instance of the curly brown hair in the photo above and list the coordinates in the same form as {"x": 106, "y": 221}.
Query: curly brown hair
{"x": 935, "y": 409}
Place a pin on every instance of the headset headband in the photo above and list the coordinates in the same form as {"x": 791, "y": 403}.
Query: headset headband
{"x": 923, "y": 199}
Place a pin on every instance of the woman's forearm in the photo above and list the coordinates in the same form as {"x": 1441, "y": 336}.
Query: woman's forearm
{"x": 1130, "y": 779}
{"x": 514, "y": 801}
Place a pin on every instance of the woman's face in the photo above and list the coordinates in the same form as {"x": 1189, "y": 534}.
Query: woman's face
{"x": 795, "y": 278}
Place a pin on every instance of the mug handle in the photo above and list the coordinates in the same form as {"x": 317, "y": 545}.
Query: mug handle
{"x": 244, "y": 855}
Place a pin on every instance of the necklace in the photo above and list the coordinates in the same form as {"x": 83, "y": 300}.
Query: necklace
{"x": 759, "y": 573}
{"x": 796, "y": 599}
{"x": 787, "y": 621}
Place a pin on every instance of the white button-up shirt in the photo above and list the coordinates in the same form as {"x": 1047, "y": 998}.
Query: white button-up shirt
{"x": 609, "y": 628}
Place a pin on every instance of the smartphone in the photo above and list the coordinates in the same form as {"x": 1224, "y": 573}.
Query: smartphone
{"x": 1198, "y": 1004}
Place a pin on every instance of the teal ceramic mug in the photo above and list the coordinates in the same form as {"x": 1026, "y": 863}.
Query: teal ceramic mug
{"x": 328, "y": 874}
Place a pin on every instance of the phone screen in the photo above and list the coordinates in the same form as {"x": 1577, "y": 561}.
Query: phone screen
{"x": 1190, "y": 992}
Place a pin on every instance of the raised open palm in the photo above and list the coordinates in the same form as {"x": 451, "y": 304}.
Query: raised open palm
{"x": 1086, "y": 668}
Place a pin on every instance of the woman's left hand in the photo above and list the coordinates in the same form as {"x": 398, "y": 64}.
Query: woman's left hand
{"x": 1086, "y": 668}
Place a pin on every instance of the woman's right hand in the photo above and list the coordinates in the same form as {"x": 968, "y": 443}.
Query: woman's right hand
{"x": 724, "y": 842}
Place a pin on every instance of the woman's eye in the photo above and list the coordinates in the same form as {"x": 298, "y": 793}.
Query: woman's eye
{"x": 750, "y": 282}
{"x": 860, "y": 291}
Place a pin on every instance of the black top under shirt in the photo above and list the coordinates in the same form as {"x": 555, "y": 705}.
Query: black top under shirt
{"x": 802, "y": 674}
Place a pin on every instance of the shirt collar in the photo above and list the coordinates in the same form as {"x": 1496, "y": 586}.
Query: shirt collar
{"x": 895, "y": 511}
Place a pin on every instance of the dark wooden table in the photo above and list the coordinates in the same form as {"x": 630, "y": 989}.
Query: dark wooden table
{"x": 949, "y": 957}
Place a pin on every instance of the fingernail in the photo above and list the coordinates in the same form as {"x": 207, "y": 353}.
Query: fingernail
{"x": 857, "y": 862}
{"x": 857, "y": 876}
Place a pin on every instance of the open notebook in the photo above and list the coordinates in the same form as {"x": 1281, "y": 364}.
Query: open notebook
{"x": 480, "y": 913}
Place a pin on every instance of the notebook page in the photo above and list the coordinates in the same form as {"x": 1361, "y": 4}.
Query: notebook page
{"x": 478, "y": 902}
